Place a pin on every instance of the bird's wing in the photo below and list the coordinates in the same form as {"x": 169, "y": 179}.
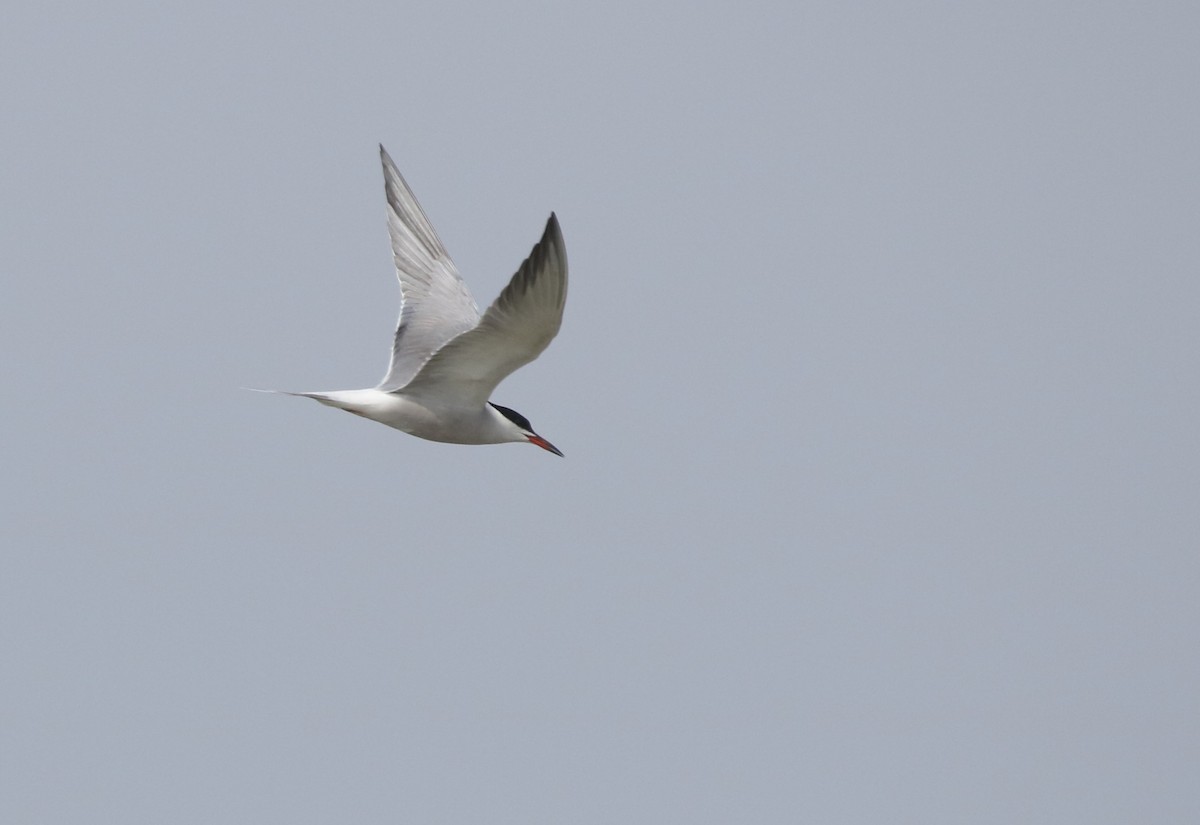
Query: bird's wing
{"x": 435, "y": 304}
{"x": 516, "y": 328}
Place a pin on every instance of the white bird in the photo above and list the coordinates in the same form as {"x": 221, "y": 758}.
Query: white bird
{"x": 446, "y": 358}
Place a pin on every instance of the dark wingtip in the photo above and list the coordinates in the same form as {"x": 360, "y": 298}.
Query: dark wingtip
{"x": 553, "y": 236}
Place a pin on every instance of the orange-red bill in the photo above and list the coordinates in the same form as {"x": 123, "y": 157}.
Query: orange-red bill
{"x": 543, "y": 443}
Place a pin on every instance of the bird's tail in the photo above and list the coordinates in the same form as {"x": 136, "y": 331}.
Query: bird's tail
{"x": 340, "y": 400}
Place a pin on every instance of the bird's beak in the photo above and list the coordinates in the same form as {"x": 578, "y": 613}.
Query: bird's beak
{"x": 544, "y": 444}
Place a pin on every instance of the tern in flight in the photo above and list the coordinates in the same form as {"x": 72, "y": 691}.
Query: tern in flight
{"x": 446, "y": 357}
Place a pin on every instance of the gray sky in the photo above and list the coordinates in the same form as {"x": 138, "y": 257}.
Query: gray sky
{"x": 878, "y": 388}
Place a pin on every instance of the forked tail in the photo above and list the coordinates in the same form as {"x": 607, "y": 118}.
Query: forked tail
{"x": 339, "y": 399}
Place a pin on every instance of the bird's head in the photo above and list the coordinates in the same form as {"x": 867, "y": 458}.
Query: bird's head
{"x": 522, "y": 430}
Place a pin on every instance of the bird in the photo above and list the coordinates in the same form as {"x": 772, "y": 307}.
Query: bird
{"x": 447, "y": 358}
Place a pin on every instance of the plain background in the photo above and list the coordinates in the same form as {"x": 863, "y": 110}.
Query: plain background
{"x": 878, "y": 388}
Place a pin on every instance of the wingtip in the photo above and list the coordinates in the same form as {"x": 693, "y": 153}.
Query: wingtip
{"x": 554, "y": 236}
{"x": 553, "y": 229}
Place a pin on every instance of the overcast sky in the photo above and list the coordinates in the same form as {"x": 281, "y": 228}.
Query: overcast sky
{"x": 878, "y": 386}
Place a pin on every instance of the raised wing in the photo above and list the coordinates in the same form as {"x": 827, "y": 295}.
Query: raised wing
{"x": 435, "y": 304}
{"x": 516, "y": 328}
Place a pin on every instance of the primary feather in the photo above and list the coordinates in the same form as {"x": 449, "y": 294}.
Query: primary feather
{"x": 516, "y": 329}
{"x": 435, "y": 304}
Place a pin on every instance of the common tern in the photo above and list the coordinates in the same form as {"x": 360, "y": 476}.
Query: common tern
{"x": 447, "y": 358}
